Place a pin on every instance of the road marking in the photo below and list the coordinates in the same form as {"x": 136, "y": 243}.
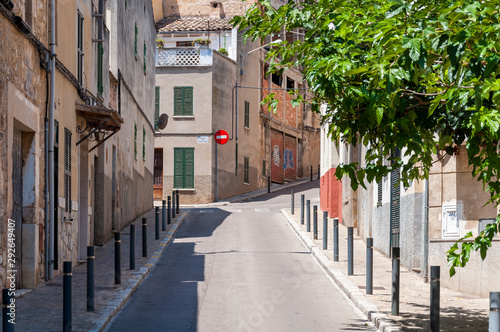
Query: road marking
{"x": 206, "y": 211}
{"x": 262, "y": 210}
{"x": 234, "y": 210}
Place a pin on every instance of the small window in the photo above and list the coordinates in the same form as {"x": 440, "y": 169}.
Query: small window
{"x": 143, "y": 143}
{"x": 135, "y": 141}
{"x": 247, "y": 166}
{"x": 185, "y": 43}
{"x": 183, "y": 100}
{"x": 67, "y": 170}
{"x": 135, "y": 40}
{"x": 157, "y": 107}
{"x": 184, "y": 168}
{"x": 144, "y": 59}
{"x": 290, "y": 84}
{"x": 276, "y": 79}
{"x": 80, "y": 48}
{"x": 100, "y": 53}
{"x": 125, "y": 5}
{"x": 247, "y": 114}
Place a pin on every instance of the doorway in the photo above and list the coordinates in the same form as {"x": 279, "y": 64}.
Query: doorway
{"x": 17, "y": 201}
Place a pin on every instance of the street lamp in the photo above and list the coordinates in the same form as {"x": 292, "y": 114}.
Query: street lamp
{"x": 242, "y": 56}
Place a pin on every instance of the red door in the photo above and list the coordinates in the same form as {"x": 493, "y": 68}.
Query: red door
{"x": 158, "y": 175}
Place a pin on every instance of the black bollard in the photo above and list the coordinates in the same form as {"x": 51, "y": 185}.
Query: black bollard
{"x": 494, "y": 311}
{"x": 163, "y": 216}
{"x": 118, "y": 259}
{"x": 435, "y": 298}
{"x": 369, "y": 265}
{"x": 302, "y": 209}
{"x": 67, "y": 296}
{"x": 268, "y": 184}
{"x": 293, "y": 202}
{"x": 319, "y": 171}
{"x": 325, "y": 230}
{"x": 308, "y": 215}
{"x": 169, "y": 215}
{"x": 8, "y": 304}
{"x": 177, "y": 200}
{"x": 315, "y": 222}
{"x": 395, "y": 282}
{"x": 157, "y": 223}
{"x": 336, "y": 239}
{"x": 350, "y": 251}
{"x": 311, "y": 172}
{"x": 173, "y": 204}
{"x": 144, "y": 238}
{"x": 90, "y": 278}
{"x": 132, "y": 247}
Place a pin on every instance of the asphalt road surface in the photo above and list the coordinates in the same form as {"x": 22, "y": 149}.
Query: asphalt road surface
{"x": 239, "y": 267}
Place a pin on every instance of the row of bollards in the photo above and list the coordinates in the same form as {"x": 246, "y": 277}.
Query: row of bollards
{"x": 167, "y": 214}
{"x": 305, "y": 213}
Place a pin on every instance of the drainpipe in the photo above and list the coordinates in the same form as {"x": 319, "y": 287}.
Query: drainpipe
{"x": 236, "y": 131}
{"x": 46, "y": 197}
{"x": 52, "y": 199}
{"x": 426, "y": 231}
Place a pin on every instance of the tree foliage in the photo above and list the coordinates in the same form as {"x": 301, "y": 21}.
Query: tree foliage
{"x": 419, "y": 75}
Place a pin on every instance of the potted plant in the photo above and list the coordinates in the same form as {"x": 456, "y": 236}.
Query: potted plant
{"x": 202, "y": 42}
{"x": 223, "y": 51}
{"x": 160, "y": 43}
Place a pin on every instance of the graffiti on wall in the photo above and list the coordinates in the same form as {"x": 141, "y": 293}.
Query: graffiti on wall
{"x": 288, "y": 158}
{"x": 276, "y": 155}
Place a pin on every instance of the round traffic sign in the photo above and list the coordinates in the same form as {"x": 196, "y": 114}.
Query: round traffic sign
{"x": 221, "y": 136}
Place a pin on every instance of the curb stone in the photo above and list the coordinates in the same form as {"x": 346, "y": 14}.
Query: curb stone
{"x": 380, "y": 320}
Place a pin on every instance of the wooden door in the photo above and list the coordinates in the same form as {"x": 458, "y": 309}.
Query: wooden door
{"x": 158, "y": 175}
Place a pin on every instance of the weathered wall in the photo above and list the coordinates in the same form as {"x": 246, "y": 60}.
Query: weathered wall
{"x": 198, "y": 8}
{"x": 22, "y": 105}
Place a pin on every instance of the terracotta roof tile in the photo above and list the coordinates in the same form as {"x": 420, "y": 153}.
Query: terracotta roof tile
{"x": 193, "y": 23}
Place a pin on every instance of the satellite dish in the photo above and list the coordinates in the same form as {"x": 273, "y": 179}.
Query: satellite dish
{"x": 162, "y": 121}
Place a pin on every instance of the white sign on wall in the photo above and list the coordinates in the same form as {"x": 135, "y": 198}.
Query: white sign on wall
{"x": 452, "y": 216}
{"x": 202, "y": 139}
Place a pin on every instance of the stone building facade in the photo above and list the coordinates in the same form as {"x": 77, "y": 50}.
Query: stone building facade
{"x": 104, "y": 88}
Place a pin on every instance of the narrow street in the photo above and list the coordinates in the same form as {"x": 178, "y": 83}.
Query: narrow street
{"x": 239, "y": 268}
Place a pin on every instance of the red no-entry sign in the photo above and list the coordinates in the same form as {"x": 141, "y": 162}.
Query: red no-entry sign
{"x": 221, "y": 137}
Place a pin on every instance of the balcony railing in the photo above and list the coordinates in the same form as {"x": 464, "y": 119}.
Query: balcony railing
{"x": 184, "y": 56}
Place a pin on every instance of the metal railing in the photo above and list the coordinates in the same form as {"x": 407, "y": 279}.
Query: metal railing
{"x": 184, "y": 56}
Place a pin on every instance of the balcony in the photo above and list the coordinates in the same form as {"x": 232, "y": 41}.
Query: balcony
{"x": 184, "y": 56}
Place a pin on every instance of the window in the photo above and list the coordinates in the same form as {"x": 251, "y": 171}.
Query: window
{"x": 379, "y": 193}
{"x": 67, "y": 170}
{"x": 246, "y": 170}
{"x": 185, "y": 43}
{"x": 183, "y": 100}
{"x": 135, "y": 40}
{"x": 80, "y": 49}
{"x": 184, "y": 168}
{"x": 100, "y": 53}
{"x": 125, "y": 5}
{"x": 290, "y": 84}
{"x": 276, "y": 79}
{"x": 395, "y": 202}
{"x": 157, "y": 107}
{"x": 144, "y": 57}
{"x": 264, "y": 168}
{"x": 135, "y": 141}
{"x": 247, "y": 114}
{"x": 143, "y": 143}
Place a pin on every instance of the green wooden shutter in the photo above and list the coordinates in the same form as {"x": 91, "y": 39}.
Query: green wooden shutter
{"x": 157, "y": 107}
{"x": 100, "y": 53}
{"x": 189, "y": 168}
{"x": 80, "y": 49}
{"x": 135, "y": 40}
{"x": 178, "y": 167}
{"x": 178, "y": 101}
{"x": 246, "y": 167}
{"x": 143, "y": 143}
{"x": 135, "y": 141}
{"x": 247, "y": 114}
{"x": 188, "y": 100}
{"x": 144, "y": 57}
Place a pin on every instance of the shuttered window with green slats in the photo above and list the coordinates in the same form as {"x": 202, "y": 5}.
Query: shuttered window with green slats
{"x": 135, "y": 40}
{"x": 143, "y": 143}
{"x": 395, "y": 202}
{"x": 247, "y": 167}
{"x": 157, "y": 107}
{"x": 80, "y": 48}
{"x": 100, "y": 53}
{"x": 144, "y": 58}
{"x": 183, "y": 100}
{"x": 247, "y": 114}
{"x": 184, "y": 168}
{"x": 135, "y": 141}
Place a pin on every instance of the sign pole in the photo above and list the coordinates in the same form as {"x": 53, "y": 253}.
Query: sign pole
{"x": 216, "y": 170}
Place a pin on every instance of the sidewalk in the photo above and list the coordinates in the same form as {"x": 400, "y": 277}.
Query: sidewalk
{"x": 459, "y": 312}
{"x": 42, "y": 308}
